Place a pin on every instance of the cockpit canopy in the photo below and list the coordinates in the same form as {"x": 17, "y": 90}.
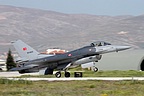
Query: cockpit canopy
{"x": 99, "y": 43}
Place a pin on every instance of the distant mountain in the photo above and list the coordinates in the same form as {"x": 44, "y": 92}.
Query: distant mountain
{"x": 47, "y": 29}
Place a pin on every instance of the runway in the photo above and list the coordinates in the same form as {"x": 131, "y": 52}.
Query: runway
{"x": 16, "y": 76}
{"x": 81, "y": 79}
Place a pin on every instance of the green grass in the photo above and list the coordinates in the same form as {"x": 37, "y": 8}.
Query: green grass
{"x": 20, "y": 81}
{"x": 71, "y": 88}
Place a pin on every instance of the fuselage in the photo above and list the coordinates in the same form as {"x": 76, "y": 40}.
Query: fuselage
{"x": 75, "y": 57}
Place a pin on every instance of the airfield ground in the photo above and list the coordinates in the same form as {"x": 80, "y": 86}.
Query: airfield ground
{"x": 24, "y": 86}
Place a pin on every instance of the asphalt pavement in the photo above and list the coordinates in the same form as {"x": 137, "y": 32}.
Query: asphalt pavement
{"x": 16, "y": 76}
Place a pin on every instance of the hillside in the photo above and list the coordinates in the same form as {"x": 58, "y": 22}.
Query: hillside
{"x": 47, "y": 29}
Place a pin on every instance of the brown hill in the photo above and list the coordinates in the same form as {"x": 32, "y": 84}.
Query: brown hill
{"x": 47, "y": 29}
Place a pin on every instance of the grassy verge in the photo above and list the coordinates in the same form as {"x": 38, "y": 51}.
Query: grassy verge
{"x": 71, "y": 88}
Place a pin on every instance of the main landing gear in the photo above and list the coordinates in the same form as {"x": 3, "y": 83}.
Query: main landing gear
{"x": 58, "y": 74}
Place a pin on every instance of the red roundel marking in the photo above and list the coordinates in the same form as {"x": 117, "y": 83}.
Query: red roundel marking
{"x": 69, "y": 54}
{"x": 24, "y": 49}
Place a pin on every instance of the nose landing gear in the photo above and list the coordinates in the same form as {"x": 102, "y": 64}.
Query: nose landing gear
{"x": 95, "y": 69}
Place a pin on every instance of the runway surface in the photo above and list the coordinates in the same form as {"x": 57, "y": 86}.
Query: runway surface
{"x": 16, "y": 76}
{"x": 83, "y": 78}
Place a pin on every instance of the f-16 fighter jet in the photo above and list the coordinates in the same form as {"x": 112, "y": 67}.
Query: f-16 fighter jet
{"x": 33, "y": 61}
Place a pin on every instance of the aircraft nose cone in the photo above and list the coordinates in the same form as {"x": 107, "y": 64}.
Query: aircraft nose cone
{"x": 120, "y": 48}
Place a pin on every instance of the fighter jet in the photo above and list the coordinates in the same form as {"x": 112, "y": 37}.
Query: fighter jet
{"x": 33, "y": 61}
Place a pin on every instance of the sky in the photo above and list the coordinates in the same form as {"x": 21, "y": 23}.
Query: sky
{"x": 94, "y": 7}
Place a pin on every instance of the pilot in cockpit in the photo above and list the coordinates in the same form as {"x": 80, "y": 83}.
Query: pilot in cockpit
{"x": 100, "y": 43}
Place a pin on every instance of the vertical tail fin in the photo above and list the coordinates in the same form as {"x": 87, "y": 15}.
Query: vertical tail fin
{"x": 25, "y": 51}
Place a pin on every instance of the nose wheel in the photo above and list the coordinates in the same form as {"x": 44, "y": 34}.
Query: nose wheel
{"x": 95, "y": 69}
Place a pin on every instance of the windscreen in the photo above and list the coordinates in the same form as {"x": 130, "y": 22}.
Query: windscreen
{"x": 100, "y": 43}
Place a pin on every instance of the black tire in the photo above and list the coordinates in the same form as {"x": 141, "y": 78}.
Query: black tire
{"x": 67, "y": 74}
{"x": 95, "y": 69}
{"x": 58, "y": 74}
{"x": 22, "y": 71}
